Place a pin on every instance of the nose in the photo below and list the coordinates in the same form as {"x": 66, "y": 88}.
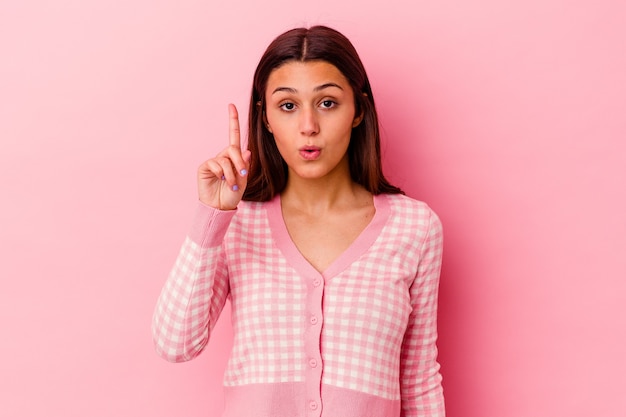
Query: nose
{"x": 309, "y": 125}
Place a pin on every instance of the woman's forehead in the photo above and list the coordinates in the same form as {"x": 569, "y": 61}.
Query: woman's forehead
{"x": 306, "y": 76}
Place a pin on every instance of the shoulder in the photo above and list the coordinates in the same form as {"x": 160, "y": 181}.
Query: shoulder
{"x": 249, "y": 224}
{"x": 251, "y": 209}
{"x": 412, "y": 219}
{"x": 251, "y": 206}
{"x": 411, "y": 210}
{"x": 415, "y": 219}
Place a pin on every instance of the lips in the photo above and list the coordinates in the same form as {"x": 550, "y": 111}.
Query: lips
{"x": 310, "y": 153}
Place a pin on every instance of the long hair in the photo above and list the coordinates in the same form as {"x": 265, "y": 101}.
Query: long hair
{"x": 268, "y": 171}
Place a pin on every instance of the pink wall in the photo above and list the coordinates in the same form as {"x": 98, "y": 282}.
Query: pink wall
{"x": 507, "y": 117}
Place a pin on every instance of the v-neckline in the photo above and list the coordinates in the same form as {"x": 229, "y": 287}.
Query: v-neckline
{"x": 357, "y": 248}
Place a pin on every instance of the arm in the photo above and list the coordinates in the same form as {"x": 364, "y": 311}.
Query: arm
{"x": 196, "y": 290}
{"x": 421, "y": 390}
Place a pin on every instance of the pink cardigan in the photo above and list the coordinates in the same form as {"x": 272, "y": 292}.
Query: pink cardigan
{"x": 357, "y": 340}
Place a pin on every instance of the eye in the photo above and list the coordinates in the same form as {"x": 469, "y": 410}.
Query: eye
{"x": 328, "y": 104}
{"x": 288, "y": 106}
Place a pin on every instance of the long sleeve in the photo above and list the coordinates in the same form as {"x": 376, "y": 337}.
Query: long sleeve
{"x": 421, "y": 389}
{"x": 195, "y": 291}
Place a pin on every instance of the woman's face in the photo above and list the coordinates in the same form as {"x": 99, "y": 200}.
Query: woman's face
{"x": 310, "y": 111}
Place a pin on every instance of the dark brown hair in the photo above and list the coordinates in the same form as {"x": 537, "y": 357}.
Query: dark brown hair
{"x": 268, "y": 170}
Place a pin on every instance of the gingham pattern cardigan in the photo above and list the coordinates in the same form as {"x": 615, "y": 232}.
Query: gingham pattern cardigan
{"x": 357, "y": 340}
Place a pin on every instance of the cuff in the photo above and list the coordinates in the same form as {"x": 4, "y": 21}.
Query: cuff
{"x": 210, "y": 225}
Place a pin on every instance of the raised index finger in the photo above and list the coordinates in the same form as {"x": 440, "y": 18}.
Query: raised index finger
{"x": 234, "y": 136}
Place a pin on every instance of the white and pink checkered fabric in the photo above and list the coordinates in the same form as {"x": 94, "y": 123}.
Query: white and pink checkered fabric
{"x": 358, "y": 339}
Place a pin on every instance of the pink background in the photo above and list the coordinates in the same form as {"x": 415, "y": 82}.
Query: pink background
{"x": 507, "y": 117}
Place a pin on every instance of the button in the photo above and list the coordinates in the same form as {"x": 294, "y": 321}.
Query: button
{"x": 317, "y": 282}
{"x": 313, "y": 320}
{"x": 313, "y": 405}
{"x": 312, "y": 363}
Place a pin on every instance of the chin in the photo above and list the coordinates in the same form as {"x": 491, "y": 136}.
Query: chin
{"x": 310, "y": 173}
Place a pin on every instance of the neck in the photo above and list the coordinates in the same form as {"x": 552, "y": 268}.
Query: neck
{"x": 320, "y": 195}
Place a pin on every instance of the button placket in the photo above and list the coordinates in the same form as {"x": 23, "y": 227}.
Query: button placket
{"x": 313, "y": 356}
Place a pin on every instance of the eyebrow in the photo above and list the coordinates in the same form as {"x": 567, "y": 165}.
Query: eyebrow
{"x": 318, "y": 88}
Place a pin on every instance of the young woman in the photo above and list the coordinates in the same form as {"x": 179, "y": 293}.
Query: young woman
{"x": 332, "y": 273}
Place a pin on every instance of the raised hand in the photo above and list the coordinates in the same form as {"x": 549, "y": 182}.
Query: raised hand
{"x": 223, "y": 179}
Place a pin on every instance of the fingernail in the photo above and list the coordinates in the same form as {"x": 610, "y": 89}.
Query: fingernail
{"x": 244, "y": 171}
{"x": 235, "y": 187}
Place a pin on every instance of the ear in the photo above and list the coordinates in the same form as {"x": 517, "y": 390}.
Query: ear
{"x": 357, "y": 120}
{"x": 265, "y": 122}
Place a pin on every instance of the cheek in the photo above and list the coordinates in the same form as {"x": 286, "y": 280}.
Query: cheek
{"x": 343, "y": 132}
{"x": 343, "y": 123}
{"x": 275, "y": 118}
{"x": 281, "y": 146}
